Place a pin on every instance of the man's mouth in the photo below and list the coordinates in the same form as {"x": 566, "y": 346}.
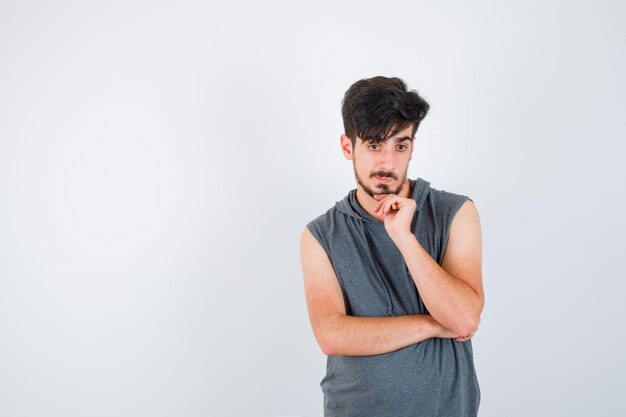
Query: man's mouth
{"x": 384, "y": 179}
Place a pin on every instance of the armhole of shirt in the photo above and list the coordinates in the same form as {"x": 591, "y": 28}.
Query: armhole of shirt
{"x": 446, "y": 230}
{"x": 315, "y": 232}
{"x": 318, "y": 236}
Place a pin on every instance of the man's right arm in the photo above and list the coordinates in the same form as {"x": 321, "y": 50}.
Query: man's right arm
{"x": 340, "y": 334}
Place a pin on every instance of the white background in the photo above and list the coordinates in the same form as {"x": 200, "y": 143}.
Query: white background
{"x": 159, "y": 160}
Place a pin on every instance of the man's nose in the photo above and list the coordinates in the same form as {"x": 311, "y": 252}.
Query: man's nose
{"x": 388, "y": 161}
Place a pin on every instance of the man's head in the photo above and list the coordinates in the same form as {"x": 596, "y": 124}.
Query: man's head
{"x": 380, "y": 117}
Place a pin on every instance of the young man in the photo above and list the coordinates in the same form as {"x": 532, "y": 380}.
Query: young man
{"x": 392, "y": 273}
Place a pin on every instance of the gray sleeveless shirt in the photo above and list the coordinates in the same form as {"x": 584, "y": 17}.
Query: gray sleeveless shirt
{"x": 434, "y": 377}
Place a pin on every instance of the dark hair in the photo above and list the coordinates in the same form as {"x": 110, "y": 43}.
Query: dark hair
{"x": 379, "y": 107}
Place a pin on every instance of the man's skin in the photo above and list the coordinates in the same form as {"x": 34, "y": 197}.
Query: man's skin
{"x": 452, "y": 292}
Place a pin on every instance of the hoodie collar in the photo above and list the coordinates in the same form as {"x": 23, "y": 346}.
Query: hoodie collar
{"x": 351, "y": 207}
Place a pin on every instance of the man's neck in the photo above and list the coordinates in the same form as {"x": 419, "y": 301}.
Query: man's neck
{"x": 368, "y": 203}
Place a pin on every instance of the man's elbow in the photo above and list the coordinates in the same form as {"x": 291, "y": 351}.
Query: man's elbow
{"x": 327, "y": 344}
{"x": 468, "y": 326}
{"x": 471, "y": 320}
{"x": 327, "y": 336}
{"x": 327, "y": 349}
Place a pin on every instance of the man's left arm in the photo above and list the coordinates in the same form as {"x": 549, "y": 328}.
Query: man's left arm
{"x": 452, "y": 292}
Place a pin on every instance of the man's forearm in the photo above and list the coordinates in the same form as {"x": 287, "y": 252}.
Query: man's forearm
{"x": 362, "y": 336}
{"x": 448, "y": 299}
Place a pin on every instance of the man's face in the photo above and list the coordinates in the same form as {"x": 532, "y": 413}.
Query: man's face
{"x": 381, "y": 167}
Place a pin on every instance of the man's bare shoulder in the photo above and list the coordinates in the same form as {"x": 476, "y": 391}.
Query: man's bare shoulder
{"x": 463, "y": 253}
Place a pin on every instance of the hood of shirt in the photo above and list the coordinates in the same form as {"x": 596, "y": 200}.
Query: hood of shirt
{"x": 351, "y": 207}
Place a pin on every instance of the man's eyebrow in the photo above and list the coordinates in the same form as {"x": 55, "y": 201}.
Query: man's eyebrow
{"x": 402, "y": 139}
{"x": 397, "y": 140}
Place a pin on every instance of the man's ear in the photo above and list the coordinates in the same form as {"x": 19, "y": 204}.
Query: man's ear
{"x": 346, "y": 147}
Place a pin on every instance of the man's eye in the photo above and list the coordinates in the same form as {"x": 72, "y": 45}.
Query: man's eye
{"x": 402, "y": 147}
{"x": 372, "y": 146}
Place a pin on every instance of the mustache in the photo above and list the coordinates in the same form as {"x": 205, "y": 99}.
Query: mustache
{"x": 384, "y": 174}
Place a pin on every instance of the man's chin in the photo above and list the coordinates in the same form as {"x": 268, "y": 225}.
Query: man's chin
{"x": 387, "y": 189}
{"x": 378, "y": 191}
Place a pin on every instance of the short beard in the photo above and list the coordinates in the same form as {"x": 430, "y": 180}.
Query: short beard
{"x": 382, "y": 188}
